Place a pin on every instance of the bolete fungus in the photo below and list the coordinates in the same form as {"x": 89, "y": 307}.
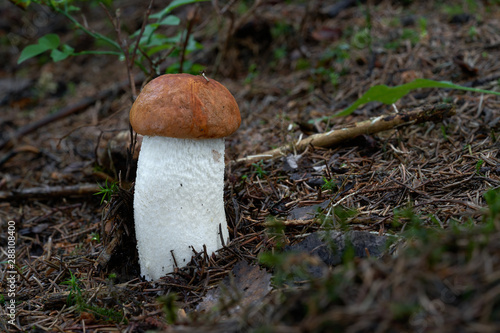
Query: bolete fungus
{"x": 179, "y": 187}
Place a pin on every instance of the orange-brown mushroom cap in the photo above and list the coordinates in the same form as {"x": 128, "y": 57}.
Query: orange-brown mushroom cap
{"x": 185, "y": 106}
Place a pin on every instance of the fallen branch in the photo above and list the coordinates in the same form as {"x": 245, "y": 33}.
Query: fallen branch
{"x": 18, "y": 150}
{"x": 419, "y": 115}
{"x": 79, "y": 106}
{"x": 53, "y": 191}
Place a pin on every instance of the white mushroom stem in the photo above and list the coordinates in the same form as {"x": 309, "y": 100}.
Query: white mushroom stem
{"x": 178, "y": 201}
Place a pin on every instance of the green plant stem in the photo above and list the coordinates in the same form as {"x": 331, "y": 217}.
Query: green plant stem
{"x": 101, "y": 37}
{"x": 90, "y": 33}
{"x": 389, "y": 95}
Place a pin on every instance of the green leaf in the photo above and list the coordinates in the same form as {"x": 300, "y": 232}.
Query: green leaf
{"x": 148, "y": 30}
{"x": 193, "y": 45}
{"x": 72, "y": 9}
{"x": 147, "y": 35}
{"x": 45, "y": 43}
{"x": 194, "y": 69}
{"x": 174, "y": 4}
{"x": 155, "y": 40}
{"x": 68, "y": 49}
{"x": 57, "y": 55}
{"x": 158, "y": 48}
{"x": 389, "y": 95}
{"x": 61, "y": 55}
{"x": 170, "y": 20}
{"x": 50, "y": 41}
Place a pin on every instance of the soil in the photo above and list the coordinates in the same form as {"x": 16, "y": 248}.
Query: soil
{"x": 427, "y": 188}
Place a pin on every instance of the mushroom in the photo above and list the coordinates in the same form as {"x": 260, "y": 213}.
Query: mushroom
{"x": 179, "y": 188}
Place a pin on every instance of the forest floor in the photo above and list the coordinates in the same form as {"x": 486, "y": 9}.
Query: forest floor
{"x": 412, "y": 211}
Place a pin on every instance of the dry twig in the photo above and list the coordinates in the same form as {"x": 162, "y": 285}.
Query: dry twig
{"x": 419, "y": 115}
{"x": 53, "y": 191}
